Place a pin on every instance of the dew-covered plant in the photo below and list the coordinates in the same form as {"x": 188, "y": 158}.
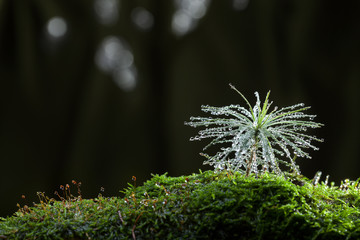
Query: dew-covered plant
{"x": 253, "y": 139}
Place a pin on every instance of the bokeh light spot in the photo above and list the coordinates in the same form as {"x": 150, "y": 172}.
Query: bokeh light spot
{"x": 240, "y": 4}
{"x": 187, "y": 15}
{"x": 182, "y": 23}
{"x": 142, "y": 18}
{"x": 115, "y": 58}
{"x": 107, "y": 11}
{"x": 126, "y": 78}
{"x": 56, "y": 27}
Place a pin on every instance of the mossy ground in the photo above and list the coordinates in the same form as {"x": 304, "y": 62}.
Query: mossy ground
{"x": 207, "y": 205}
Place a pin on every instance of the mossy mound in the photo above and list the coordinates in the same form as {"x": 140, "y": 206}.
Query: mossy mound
{"x": 207, "y": 205}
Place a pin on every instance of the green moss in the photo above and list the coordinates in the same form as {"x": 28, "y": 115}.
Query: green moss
{"x": 207, "y": 205}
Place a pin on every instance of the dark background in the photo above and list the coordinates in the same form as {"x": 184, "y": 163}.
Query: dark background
{"x": 72, "y": 109}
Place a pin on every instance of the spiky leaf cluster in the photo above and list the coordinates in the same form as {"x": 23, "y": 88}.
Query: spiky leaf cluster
{"x": 253, "y": 139}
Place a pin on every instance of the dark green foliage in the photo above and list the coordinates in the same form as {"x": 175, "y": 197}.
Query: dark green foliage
{"x": 208, "y": 205}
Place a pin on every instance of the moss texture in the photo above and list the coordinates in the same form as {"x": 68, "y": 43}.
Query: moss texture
{"x": 207, "y": 205}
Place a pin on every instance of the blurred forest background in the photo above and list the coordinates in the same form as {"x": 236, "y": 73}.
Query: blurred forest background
{"x": 98, "y": 90}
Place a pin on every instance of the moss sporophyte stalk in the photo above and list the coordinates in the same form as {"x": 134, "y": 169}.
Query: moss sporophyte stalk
{"x": 248, "y": 196}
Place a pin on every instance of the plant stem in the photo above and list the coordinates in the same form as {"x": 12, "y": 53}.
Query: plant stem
{"x": 252, "y": 158}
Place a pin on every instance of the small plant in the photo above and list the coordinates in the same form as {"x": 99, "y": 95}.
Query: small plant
{"x": 256, "y": 136}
